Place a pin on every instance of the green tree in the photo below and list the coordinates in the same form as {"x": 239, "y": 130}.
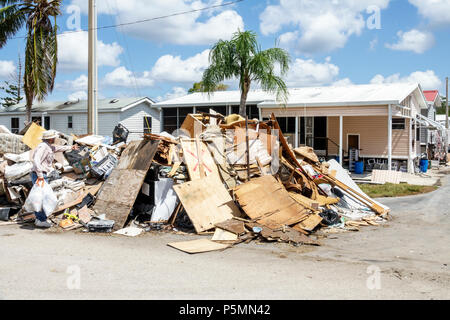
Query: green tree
{"x": 198, "y": 87}
{"x": 242, "y": 58}
{"x": 13, "y": 95}
{"x": 41, "y": 47}
{"x": 13, "y": 88}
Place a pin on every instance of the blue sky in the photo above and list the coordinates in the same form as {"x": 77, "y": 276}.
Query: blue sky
{"x": 331, "y": 42}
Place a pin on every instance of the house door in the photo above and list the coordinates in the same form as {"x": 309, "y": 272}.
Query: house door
{"x": 353, "y": 141}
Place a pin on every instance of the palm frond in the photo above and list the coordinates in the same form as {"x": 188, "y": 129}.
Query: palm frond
{"x": 12, "y": 18}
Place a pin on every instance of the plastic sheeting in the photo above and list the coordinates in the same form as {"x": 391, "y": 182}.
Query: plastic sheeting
{"x": 165, "y": 200}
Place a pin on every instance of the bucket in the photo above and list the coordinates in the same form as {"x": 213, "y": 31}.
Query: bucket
{"x": 423, "y": 165}
{"x": 359, "y": 167}
{"x": 337, "y": 159}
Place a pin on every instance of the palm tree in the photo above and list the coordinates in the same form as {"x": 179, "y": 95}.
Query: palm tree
{"x": 41, "y": 43}
{"x": 242, "y": 58}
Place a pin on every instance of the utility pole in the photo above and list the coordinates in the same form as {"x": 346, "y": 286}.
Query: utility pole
{"x": 446, "y": 120}
{"x": 92, "y": 70}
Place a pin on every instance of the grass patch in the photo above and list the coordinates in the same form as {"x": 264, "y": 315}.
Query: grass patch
{"x": 394, "y": 190}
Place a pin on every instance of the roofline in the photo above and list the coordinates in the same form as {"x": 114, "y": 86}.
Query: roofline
{"x": 332, "y": 104}
{"x": 133, "y": 104}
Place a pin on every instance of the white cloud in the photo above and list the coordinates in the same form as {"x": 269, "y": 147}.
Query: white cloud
{"x": 175, "y": 69}
{"x": 174, "y": 93}
{"x": 320, "y": 26}
{"x": 413, "y": 40}
{"x": 80, "y": 83}
{"x": 6, "y": 68}
{"x": 436, "y": 11}
{"x": 309, "y": 73}
{"x": 78, "y": 95}
{"x": 73, "y": 52}
{"x": 167, "y": 68}
{"x": 343, "y": 82}
{"x": 427, "y": 79}
{"x": 122, "y": 77}
{"x": 373, "y": 43}
{"x": 193, "y": 28}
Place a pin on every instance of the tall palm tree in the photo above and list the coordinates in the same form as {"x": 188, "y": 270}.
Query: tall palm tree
{"x": 242, "y": 58}
{"x": 41, "y": 43}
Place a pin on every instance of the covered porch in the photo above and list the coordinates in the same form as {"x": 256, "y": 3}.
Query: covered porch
{"x": 379, "y": 133}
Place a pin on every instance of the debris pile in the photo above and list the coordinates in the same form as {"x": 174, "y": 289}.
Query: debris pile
{"x": 234, "y": 178}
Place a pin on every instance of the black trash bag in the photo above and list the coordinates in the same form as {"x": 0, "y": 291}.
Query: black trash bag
{"x": 120, "y": 134}
{"x": 330, "y": 217}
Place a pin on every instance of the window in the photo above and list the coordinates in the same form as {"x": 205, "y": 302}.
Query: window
{"x": 36, "y": 120}
{"x": 47, "y": 123}
{"x": 70, "y": 122}
{"x": 173, "y": 118}
{"x": 398, "y": 124}
{"x": 147, "y": 124}
{"x": 15, "y": 125}
{"x": 252, "y": 111}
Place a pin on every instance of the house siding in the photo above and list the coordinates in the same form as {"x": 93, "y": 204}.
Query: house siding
{"x": 133, "y": 120}
{"x": 373, "y": 133}
{"x": 107, "y": 122}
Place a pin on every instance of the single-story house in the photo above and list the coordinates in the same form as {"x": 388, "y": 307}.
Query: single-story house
{"x": 138, "y": 115}
{"x": 381, "y": 121}
{"x": 434, "y": 101}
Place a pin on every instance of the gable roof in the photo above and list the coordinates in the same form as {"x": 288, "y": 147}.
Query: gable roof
{"x": 367, "y": 94}
{"x": 110, "y": 104}
{"x": 430, "y": 95}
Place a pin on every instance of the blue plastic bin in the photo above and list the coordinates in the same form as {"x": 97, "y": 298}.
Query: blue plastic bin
{"x": 359, "y": 167}
{"x": 423, "y": 165}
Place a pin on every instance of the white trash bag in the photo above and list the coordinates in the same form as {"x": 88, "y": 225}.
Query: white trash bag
{"x": 41, "y": 199}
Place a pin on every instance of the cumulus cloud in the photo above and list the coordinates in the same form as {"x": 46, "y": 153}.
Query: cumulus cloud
{"x": 427, "y": 79}
{"x": 78, "y": 95}
{"x": 319, "y": 26}
{"x": 6, "y": 68}
{"x": 413, "y": 40}
{"x": 309, "y": 73}
{"x": 436, "y": 11}
{"x": 172, "y": 94}
{"x": 73, "y": 52}
{"x": 167, "y": 68}
{"x": 201, "y": 27}
{"x": 80, "y": 83}
{"x": 122, "y": 77}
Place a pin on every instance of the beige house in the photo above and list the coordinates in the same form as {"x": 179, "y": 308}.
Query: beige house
{"x": 381, "y": 121}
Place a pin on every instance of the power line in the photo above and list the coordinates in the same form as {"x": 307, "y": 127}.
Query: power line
{"x": 146, "y": 20}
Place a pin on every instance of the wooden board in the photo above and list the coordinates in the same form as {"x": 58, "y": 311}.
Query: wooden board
{"x": 267, "y": 202}
{"x": 120, "y": 190}
{"x": 233, "y": 226}
{"x": 33, "y": 136}
{"x": 206, "y": 202}
{"x": 198, "y": 246}
{"x": 191, "y": 157}
{"x": 224, "y": 235}
{"x": 383, "y": 176}
{"x": 192, "y": 125}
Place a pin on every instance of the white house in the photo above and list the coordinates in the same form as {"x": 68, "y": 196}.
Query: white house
{"x": 138, "y": 115}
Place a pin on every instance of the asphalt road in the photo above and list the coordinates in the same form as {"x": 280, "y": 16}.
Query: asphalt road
{"x": 407, "y": 258}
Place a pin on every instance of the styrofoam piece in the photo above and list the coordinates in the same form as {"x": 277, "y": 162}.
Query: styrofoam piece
{"x": 129, "y": 231}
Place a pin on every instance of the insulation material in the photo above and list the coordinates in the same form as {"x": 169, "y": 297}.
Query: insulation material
{"x": 12, "y": 143}
{"x": 18, "y": 170}
{"x": 23, "y": 157}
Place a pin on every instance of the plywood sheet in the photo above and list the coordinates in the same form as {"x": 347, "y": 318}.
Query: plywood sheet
{"x": 224, "y": 235}
{"x": 267, "y": 202}
{"x": 383, "y": 176}
{"x": 198, "y": 246}
{"x": 120, "y": 190}
{"x": 33, "y": 136}
{"x": 193, "y": 157}
{"x": 310, "y": 223}
{"x": 206, "y": 202}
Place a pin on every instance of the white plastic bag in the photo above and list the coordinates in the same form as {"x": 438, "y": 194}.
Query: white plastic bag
{"x": 41, "y": 199}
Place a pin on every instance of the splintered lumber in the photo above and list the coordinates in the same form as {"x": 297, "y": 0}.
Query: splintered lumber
{"x": 192, "y": 125}
{"x": 198, "y": 246}
{"x": 304, "y": 201}
{"x": 232, "y": 225}
{"x": 120, "y": 190}
{"x": 266, "y": 201}
{"x": 198, "y": 159}
{"x": 285, "y": 234}
{"x": 206, "y": 202}
{"x": 364, "y": 199}
{"x": 310, "y": 223}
